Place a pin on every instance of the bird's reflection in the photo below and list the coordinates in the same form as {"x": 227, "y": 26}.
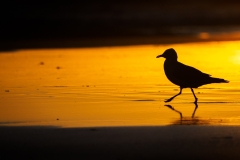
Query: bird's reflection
{"x": 195, "y": 120}
{"x": 193, "y": 114}
{"x": 180, "y": 113}
{"x": 192, "y": 120}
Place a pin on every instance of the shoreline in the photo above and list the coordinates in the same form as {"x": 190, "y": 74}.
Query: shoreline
{"x": 116, "y": 41}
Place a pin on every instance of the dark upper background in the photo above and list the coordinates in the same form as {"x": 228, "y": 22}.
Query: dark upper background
{"x": 92, "y": 22}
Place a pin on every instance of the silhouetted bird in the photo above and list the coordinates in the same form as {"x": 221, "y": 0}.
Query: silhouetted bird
{"x": 183, "y": 75}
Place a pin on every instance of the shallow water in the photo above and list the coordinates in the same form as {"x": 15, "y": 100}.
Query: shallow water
{"x": 116, "y": 86}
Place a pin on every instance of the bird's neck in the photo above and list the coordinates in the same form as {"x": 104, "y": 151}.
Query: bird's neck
{"x": 171, "y": 60}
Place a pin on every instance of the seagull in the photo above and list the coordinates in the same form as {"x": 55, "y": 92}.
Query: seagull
{"x": 185, "y": 76}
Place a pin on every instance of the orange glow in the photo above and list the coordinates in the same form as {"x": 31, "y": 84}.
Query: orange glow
{"x": 236, "y": 57}
{"x": 114, "y": 86}
{"x": 204, "y": 35}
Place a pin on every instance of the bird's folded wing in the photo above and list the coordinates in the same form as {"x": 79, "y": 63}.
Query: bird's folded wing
{"x": 188, "y": 73}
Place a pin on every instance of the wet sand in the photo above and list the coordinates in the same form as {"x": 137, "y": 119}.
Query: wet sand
{"x": 166, "y": 142}
{"x": 115, "y": 86}
{"x": 108, "y": 102}
{"x": 71, "y": 90}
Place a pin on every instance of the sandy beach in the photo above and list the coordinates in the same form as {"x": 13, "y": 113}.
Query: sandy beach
{"x": 115, "y": 86}
{"x": 166, "y": 142}
{"x": 108, "y": 103}
{"x": 81, "y": 80}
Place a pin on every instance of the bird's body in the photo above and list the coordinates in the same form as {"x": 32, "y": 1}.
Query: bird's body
{"x": 185, "y": 76}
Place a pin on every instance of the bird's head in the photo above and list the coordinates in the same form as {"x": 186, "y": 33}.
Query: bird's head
{"x": 169, "y": 54}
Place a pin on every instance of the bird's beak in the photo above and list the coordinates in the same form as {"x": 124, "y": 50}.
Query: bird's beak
{"x": 159, "y": 56}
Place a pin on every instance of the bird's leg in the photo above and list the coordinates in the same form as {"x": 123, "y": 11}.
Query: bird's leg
{"x": 170, "y": 99}
{"x": 194, "y": 96}
{"x": 196, "y": 107}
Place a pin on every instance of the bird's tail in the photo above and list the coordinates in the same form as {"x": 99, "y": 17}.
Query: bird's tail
{"x": 218, "y": 80}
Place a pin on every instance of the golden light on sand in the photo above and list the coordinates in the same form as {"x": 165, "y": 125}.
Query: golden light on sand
{"x": 236, "y": 57}
{"x": 114, "y": 86}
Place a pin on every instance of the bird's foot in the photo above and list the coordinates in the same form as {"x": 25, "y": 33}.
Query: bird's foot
{"x": 168, "y": 100}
